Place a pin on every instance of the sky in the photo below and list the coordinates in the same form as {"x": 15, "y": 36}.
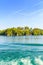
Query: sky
{"x": 14, "y": 13}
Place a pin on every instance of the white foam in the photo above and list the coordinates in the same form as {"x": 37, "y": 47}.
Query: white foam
{"x": 13, "y": 62}
{"x": 8, "y": 63}
{"x": 38, "y": 61}
{"x": 26, "y": 61}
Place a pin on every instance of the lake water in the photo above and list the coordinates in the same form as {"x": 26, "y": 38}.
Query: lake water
{"x": 21, "y": 50}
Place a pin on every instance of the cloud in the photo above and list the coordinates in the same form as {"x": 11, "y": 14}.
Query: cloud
{"x": 40, "y": 2}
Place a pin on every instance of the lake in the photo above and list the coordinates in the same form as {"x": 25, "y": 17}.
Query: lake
{"x": 21, "y": 50}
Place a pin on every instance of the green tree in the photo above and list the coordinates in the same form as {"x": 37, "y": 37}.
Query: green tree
{"x": 19, "y": 32}
{"x": 36, "y": 31}
{"x": 26, "y": 31}
{"x": 41, "y": 32}
{"x": 8, "y": 32}
{"x": 14, "y": 31}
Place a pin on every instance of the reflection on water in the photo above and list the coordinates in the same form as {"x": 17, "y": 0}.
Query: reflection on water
{"x": 22, "y": 43}
{"x": 22, "y": 39}
{"x": 21, "y": 50}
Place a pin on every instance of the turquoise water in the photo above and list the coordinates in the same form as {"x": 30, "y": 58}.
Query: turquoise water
{"x": 21, "y": 50}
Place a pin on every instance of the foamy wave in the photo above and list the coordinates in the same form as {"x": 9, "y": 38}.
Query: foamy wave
{"x": 38, "y": 61}
{"x": 23, "y": 61}
{"x": 8, "y": 63}
{"x": 26, "y": 61}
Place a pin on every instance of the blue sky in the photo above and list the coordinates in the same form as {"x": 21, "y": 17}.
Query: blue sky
{"x": 14, "y": 13}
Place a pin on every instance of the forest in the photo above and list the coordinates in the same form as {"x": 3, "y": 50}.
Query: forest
{"x": 21, "y": 31}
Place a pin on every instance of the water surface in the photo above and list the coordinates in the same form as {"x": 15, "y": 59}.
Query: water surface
{"x": 21, "y": 50}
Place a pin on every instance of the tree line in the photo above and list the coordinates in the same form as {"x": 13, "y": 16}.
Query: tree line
{"x": 21, "y": 31}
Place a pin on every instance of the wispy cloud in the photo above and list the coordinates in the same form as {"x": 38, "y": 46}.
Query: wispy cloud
{"x": 22, "y": 13}
{"x": 34, "y": 12}
{"x": 18, "y": 11}
{"x": 40, "y": 2}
